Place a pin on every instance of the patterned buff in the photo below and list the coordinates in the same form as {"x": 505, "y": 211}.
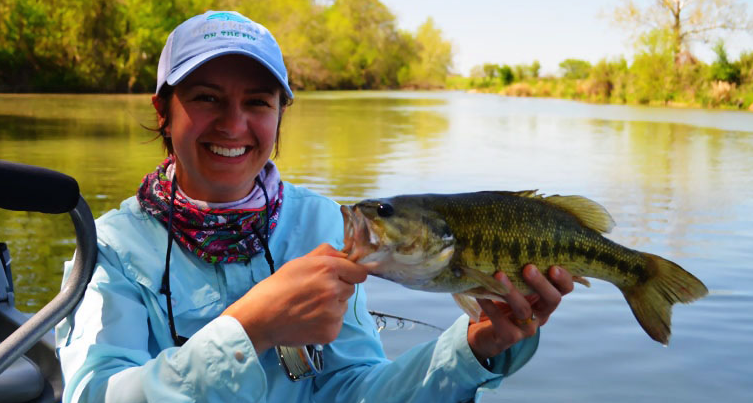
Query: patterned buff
{"x": 214, "y": 235}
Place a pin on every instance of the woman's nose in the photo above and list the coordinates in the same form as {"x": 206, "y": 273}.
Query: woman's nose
{"x": 232, "y": 121}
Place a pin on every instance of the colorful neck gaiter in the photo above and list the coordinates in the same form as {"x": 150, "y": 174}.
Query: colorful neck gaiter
{"x": 214, "y": 235}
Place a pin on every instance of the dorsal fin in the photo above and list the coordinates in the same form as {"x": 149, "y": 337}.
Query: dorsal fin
{"x": 591, "y": 214}
{"x": 526, "y": 193}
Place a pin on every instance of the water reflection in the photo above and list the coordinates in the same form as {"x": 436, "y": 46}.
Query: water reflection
{"x": 339, "y": 145}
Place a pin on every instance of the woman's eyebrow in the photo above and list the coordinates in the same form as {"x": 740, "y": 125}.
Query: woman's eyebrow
{"x": 260, "y": 90}
{"x": 204, "y": 84}
{"x": 250, "y": 90}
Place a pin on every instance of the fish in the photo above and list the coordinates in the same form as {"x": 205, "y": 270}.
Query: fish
{"x": 455, "y": 243}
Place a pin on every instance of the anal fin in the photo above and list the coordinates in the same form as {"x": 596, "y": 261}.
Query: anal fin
{"x": 582, "y": 280}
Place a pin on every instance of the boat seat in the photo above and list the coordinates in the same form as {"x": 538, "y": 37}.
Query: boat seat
{"x": 21, "y": 382}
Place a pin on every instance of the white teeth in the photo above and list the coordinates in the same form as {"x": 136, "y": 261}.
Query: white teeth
{"x": 227, "y": 152}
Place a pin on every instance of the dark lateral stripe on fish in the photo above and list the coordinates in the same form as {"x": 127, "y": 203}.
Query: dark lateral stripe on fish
{"x": 478, "y": 241}
{"x": 590, "y": 254}
{"x": 531, "y": 248}
{"x": 544, "y": 249}
{"x": 515, "y": 251}
{"x": 496, "y": 250}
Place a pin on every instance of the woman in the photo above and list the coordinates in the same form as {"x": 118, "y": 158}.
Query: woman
{"x": 256, "y": 263}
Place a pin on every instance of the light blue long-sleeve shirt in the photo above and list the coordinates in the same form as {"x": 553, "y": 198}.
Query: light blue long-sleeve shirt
{"x": 117, "y": 347}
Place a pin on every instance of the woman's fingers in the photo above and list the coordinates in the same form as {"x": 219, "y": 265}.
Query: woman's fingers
{"x": 563, "y": 280}
{"x": 326, "y": 249}
{"x": 550, "y": 292}
{"x": 504, "y": 324}
{"x": 521, "y": 309}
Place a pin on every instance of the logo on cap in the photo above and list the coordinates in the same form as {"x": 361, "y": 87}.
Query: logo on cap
{"x": 228, "y": 17}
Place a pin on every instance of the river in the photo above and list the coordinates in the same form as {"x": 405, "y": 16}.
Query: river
{"x": 678, "y": 182}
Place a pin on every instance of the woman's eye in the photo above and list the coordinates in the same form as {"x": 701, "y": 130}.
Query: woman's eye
{"x": 258, "y": 102}
{"x": 205, "y": 98}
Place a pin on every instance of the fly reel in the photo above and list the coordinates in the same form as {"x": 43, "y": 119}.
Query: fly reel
{"x": 300, "y": 362}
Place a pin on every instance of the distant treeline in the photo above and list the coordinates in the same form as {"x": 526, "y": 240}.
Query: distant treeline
{"x": 657, "y": 75}
{"x": 114, "y": 46}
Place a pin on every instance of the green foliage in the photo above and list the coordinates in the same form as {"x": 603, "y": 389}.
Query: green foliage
{"x": 575, "y": 68}
{"x": 653, "y": 69}
{"x": 490, "y": 70}
{"x": 745, "y": 64}
{"x": 607, "y": 81}
{"x": 535, "y": 69}
{"x": 114, "y": 46}
{"x": 722, "y": 69}
{"x": 505, "y": 74}
{"x": 434, "y": 59}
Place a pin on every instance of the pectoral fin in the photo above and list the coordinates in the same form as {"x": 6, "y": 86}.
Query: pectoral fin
{"x": 468, "y": 305}
{"x": 466, "y": 300}
{"x": 486, "y": 281}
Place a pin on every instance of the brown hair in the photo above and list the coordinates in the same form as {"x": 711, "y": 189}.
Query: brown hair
{"x": 167, "y": 91}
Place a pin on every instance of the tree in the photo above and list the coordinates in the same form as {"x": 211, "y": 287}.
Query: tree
{"x": 434, "y": 58}
{"x": 722, "y": 69}
{"x": 535, "y": 69}
{"x": 688, "y": 20}
{"x": 490, "y": 70}
{"x": 506, "y": 75}
{"x": 575, "y": 68}
{"x": 653, "y": 69}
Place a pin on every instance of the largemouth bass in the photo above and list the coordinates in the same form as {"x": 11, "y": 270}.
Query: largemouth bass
{"x": 455, "y": 243}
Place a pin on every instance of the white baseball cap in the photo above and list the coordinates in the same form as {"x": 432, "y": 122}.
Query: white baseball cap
{"x": 216, "y": 33}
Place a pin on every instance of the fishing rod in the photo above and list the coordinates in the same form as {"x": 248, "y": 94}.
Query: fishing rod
{"x": 381, "y": 321}
{"x": 307, "y": 361}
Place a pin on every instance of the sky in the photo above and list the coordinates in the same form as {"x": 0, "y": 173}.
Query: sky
{"x": 521, "y": 31}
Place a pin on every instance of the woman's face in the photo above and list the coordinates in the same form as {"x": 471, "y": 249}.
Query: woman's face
{"x": 223, "y": 123}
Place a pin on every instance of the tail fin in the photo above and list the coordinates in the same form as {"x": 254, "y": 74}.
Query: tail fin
{"x": 652, "y": 300}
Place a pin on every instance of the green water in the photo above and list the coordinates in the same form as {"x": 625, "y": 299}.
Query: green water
{"x": 679, "y": 183}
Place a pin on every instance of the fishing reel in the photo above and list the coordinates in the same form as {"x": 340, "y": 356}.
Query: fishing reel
{"x": 301, "y": 362}
{"x": 306, "y": 362}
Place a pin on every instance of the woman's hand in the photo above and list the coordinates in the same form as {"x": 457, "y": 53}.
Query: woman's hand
{"x": 301, "y": 303}
{"x": 503, "y": 324}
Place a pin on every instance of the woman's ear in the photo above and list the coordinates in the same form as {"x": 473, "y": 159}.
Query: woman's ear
{"x": 159, "y": 106}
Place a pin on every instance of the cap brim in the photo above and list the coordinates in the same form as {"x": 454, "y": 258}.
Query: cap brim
{"x": 191, "y": 64}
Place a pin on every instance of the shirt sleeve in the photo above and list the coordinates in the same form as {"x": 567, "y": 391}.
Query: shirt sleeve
{"x": 442, "y": 370}
{"x": 104, "y": 351}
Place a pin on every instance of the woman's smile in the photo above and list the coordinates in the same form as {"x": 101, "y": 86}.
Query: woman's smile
{"x": 233, "y": 152}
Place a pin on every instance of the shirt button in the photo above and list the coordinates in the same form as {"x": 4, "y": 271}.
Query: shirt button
{"x": 239, "y": 356}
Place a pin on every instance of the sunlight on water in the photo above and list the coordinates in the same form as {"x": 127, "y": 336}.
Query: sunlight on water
{"x": 679, "y": 183}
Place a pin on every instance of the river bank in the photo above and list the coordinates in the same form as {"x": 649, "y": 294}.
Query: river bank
{"x": 719, "y": 95}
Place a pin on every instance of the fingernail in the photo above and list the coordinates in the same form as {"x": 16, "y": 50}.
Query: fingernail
{"x": 532, "y": 271}
{"x": 555, "y": 272}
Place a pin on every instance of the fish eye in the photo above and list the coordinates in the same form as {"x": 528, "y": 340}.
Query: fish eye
{"x": 385, "y": 210}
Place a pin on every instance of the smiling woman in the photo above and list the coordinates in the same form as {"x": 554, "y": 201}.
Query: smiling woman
{"x": 256, "y": 263}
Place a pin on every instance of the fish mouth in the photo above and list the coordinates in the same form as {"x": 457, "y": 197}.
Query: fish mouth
{"x": 358, "y": 242}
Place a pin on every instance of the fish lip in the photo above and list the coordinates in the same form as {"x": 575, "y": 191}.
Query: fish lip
{"x": 357, "y": 234}
{"x": 348, "y": 223}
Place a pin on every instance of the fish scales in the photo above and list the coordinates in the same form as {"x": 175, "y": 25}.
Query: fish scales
{"x": 499, "y": 232}
{"x": 455, "y": 243}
